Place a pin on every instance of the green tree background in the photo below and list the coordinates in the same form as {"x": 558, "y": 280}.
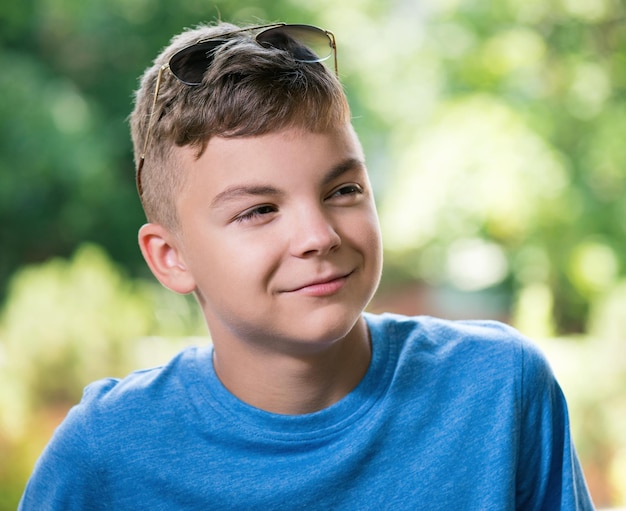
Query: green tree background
{"x": 494, "y": 133}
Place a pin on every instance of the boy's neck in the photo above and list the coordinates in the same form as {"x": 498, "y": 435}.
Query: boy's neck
{"x": 291, "y": 384}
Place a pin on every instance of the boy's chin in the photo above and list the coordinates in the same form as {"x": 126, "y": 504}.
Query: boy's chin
{"x": 318, "y": 333}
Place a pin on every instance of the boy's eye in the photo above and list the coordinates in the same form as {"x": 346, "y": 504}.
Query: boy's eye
{"x": 346, "y": 191}
{"x": 256, "y": 212}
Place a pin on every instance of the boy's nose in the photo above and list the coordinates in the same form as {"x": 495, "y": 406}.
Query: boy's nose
{"x": 313, "y": 234}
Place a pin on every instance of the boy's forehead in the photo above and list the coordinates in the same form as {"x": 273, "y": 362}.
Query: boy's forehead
{"x": 291, "y": 146}
{"x": 272, "y": 158}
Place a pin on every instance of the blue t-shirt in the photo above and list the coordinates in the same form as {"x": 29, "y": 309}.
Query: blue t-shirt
{"x": 450, "y": 415}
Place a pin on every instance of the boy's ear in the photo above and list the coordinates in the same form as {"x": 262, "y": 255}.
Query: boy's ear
{"x": 161, "y": 251}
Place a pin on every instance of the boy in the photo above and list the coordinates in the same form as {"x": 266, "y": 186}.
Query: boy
{"x": 258, "y": 202}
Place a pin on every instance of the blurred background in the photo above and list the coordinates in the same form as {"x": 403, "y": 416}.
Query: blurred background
{"x": 495, "y": 136}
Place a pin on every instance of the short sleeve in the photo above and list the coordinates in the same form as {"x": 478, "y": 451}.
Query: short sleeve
{"x": 65, "y": 476}
{"x": 549, "y": 475}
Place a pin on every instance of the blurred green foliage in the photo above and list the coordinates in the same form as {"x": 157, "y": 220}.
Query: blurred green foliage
{"x": 76, "y": 318}
{"x": 508, "y": 120}
{"x": 493, "y": 132}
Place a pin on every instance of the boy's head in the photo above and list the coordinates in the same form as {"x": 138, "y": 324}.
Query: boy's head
{"x": 256, "y": 188}
{"x": 249, "y": 88}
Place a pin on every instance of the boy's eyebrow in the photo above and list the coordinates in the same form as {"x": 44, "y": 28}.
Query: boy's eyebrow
{"x": 237, "y": 191}
{"x": 343, "y": 167}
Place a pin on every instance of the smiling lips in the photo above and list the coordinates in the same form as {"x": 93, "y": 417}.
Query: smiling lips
{"x": 322, "y": 287}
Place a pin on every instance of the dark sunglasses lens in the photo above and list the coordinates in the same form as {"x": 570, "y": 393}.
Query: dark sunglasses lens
{"x": 304, "y": 42}
{"x": 190, "y": 64}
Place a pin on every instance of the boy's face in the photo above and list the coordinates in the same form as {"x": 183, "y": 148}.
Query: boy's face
{"x": 280, "y": 236}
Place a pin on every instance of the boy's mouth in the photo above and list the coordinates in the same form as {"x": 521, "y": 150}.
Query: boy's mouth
{"x": 322, "y": 286}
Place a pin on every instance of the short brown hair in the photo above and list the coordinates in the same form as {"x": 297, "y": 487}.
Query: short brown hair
{"x": 248, "y": 90}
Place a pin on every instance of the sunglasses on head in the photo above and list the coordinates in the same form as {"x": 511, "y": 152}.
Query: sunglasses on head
{"x": 305, "y": 43}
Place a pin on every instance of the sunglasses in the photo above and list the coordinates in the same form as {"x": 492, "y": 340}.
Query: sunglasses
{"x": 305, "y": 43}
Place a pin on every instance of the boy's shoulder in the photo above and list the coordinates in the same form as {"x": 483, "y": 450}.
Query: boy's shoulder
{"x": 138, "y": 398}
{"x": 486, "y": 345}
{"x": 116, "y": 425}
{"x": 432, "y": 331}
{"x": 144, "y": 378}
